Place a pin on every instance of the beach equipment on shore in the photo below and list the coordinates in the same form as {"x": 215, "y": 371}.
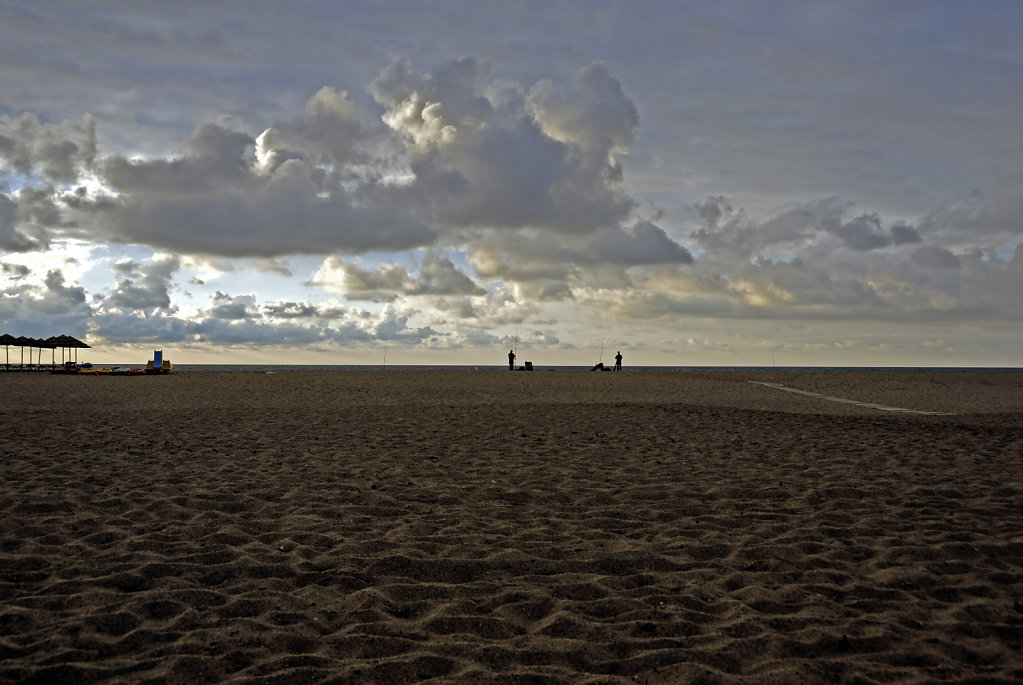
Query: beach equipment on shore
{"x": 68, "y": 368}
{"x": 65, "y": 342}
{"x": 158, "y": 364}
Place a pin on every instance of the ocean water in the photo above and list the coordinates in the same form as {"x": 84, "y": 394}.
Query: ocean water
{"x": 263, "y": 368}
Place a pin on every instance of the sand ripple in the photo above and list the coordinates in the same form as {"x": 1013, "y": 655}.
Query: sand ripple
{"x": 510, "y": 528}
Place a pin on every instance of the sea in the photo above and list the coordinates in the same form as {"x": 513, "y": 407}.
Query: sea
{"x": 282, "y": 368}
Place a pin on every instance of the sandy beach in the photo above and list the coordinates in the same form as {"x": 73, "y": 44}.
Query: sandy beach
{"x": 545, "y": 527}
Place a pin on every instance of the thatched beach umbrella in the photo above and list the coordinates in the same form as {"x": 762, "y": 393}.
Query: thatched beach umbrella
{"x": 48, "y": 344}
{"x": 7, "y": 340}
{"x": 41, "y": 345}
{"x": 23, "y": 342}
{"x": 66, "y": 342}
{"x": 76, "y": 344}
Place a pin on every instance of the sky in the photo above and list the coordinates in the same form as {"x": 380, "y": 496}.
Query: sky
{"x": 752, "y": 183}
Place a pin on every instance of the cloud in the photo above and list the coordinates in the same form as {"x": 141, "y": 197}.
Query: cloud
{"x": 393, "y": 325}
{"x": 330, "y": 131}
{"x": 453, "y": 154}
{"x": 44, "y": 308}
{"x": 12, "y": 237}
{"x": 117, "y": 327}
{"x": 144, "y": 288}
{"x": 541, "y": 159}
{"x": 932, "y": 256}
{"x": 238, "y": 320}
{"x": 595, "y": 115}
{"x": 459, "y": 197}
{"x": 904, "y": 235}
{"x": 15, "y": 271}
{"x": 862, "y": 232}
{"x": 979, "y": 217}
{"x": 51, "y": 153}
{"x": 57, "y": 298}
{"x": 816, "y": 261}
{"x": 299, "y": 310}
{"x": 217, "y": 198}
{"x": 642, "y": 243}
{"x": 437, "y": 276}
{"x": 231, "y": 308}
{"x": 382, "y": 284}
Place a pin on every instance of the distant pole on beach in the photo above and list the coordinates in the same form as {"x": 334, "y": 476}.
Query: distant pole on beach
{"x": 600, "y": 360}
{"x": 385, "y": 356}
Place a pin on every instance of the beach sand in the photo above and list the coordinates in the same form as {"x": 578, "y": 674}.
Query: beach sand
{"x": 545, "y": 527}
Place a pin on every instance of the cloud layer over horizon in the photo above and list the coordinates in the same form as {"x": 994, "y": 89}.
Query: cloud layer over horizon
{"x": 443, "y": 205}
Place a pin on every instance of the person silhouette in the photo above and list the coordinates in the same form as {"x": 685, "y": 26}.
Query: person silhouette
{"x": 618, "y": 361}
{"x": 511, "y": 360}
